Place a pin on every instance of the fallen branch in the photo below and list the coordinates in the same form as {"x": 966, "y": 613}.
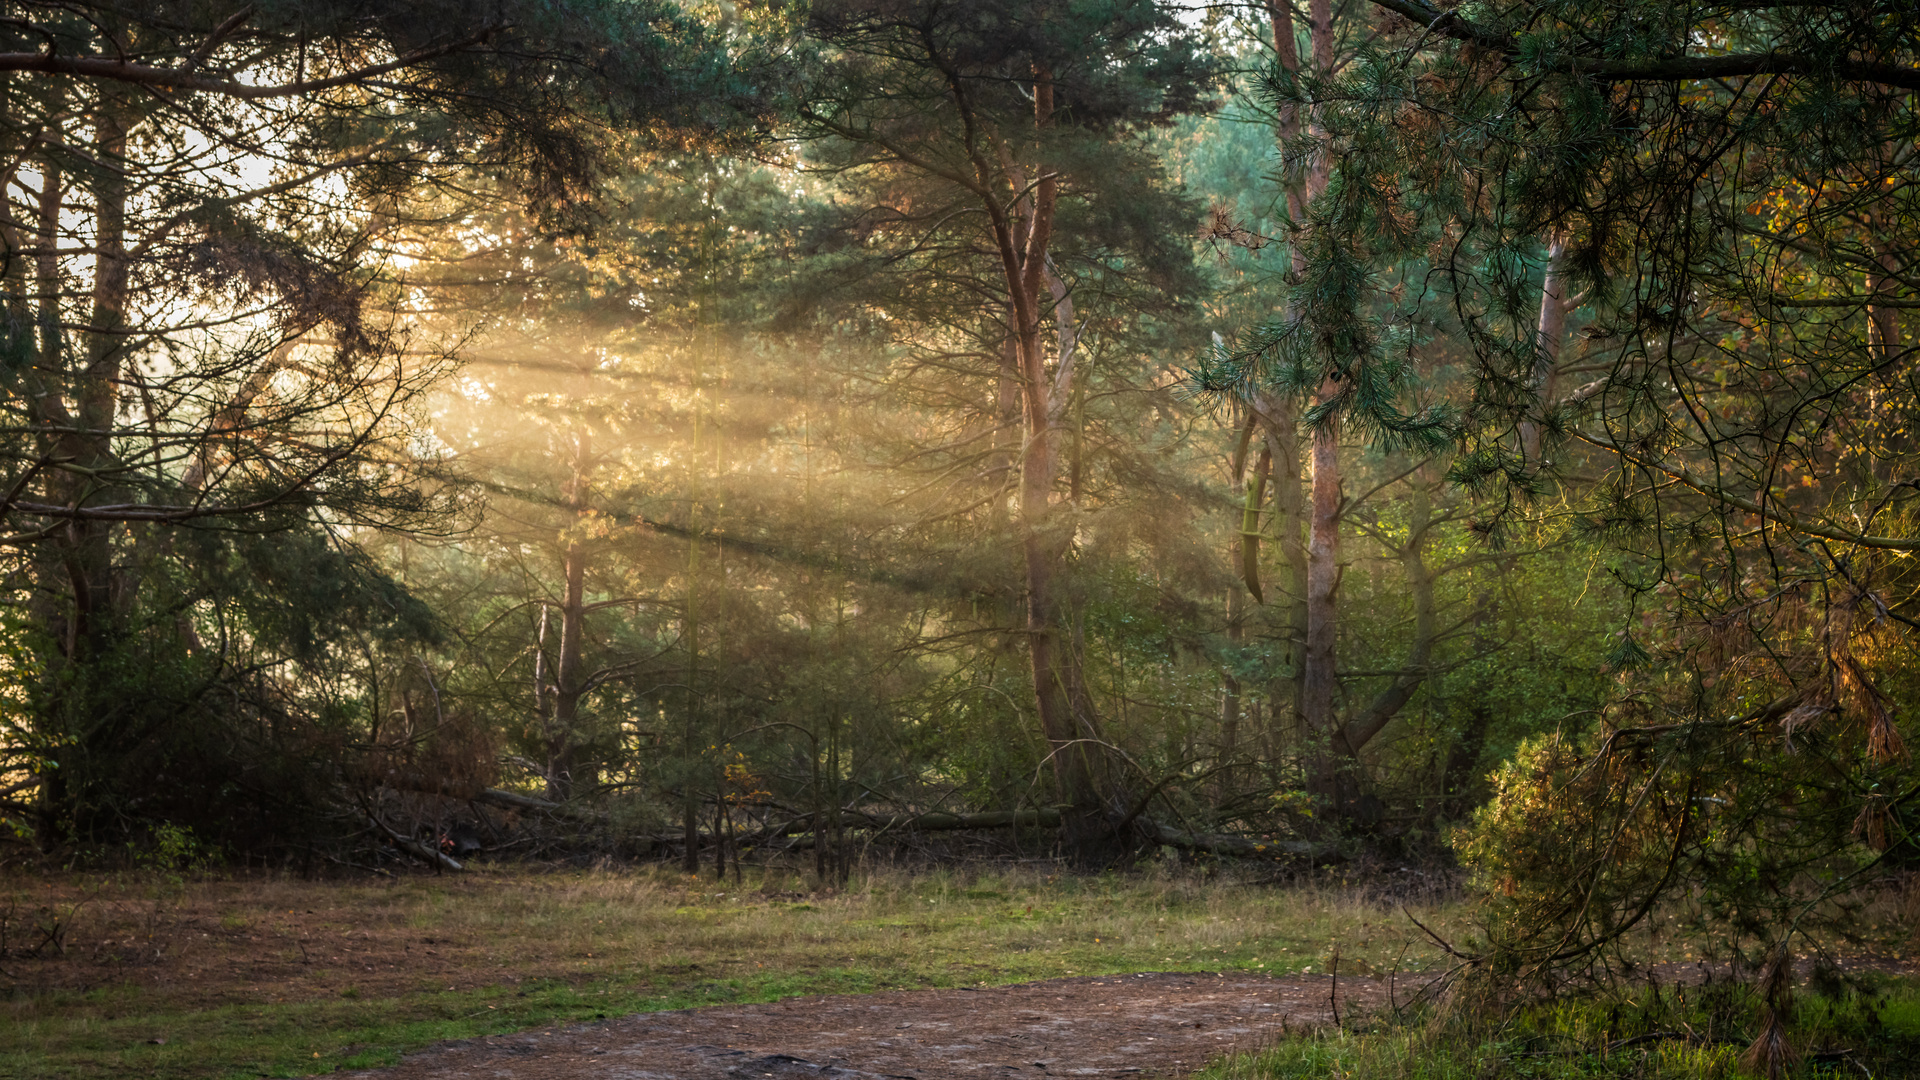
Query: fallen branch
{"x": 506, "y": 800}
{"x": 510, "y": 800}
{"x": 940, "y": 821}
{"x": 429, "y": 855}
{"x": 1244, "y": 847}
{"x": 1050, "y": 818}
{"x": 931, "y": 821}
{"x": 1437, "y": 939}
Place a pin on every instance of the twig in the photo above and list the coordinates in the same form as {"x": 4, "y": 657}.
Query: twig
{"x": 1333, "y": 991}
{"x": 1391, "y": 976}
{"x": 1651, "y": 1036}
{"x": 1437, "y": 939}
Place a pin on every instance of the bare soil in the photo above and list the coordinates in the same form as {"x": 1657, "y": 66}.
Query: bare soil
{"x": 1128, "y": 1026}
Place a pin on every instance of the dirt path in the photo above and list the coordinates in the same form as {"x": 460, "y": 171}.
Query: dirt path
{"x": 1128, "y": 1026}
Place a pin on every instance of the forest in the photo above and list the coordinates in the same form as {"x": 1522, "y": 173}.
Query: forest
{"x": 1278, "y": 442}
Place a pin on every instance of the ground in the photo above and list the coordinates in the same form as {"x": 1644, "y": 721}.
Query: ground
{"x": 248, "y": 975}
{"x": 1139, "y": 1025}
{"x": 525, "y": 972}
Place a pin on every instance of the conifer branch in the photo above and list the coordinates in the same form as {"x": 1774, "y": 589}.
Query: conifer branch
{"x": 1664, "y": 69}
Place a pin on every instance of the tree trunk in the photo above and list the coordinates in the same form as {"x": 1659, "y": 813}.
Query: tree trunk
{"x": 1326, "y": 772}
{"x": 1062, "y": 702}
{"x": 93, "y": 712}
{"x": 97, "y": 395}
{"x": 563, "y": 742}
{"x": 690, "y": 733}
{"x": 1547, "y": 337}
{"x": 1242, "y": 551}
{"x": 46, "y": 401}
{"x": 1317, "y": 706}
{"x": 1006, "y": 404}
{"x": 1290, "y": 520}
{"x": 47, "y": 267}
{"x": 569, "y": 679}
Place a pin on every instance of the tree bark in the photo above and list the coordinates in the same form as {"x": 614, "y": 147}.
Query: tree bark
{"x": 1548, "y": 334}
{"x": 1327, "y": 775}
{"x": 1290, "y": 514}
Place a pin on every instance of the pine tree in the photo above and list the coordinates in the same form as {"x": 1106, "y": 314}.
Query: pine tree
{"x": 1011, "y": 112}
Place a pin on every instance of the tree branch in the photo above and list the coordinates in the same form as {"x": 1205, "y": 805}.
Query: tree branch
{"x": 1668, "y": 69}
{"x": 101, "y": 67}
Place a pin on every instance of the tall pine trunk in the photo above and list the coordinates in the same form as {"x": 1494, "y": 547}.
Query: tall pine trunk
{"x": 89, "y": 548}
{"x": 94, "y": 715}
{"x": 1068, "y": 720}
{"x": 1328, "y": 777}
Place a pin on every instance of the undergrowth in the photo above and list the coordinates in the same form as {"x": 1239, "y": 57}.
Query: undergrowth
{"x": 1866, "y": 1028}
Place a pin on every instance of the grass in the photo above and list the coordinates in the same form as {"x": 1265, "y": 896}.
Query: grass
{"x": 279, "y": 977}
{"x": 1870, "y": 1029}
{"x": 161, "y": 977}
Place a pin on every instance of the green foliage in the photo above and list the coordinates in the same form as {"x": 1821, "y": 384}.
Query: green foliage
{"x": 1587, "y": 835}
{"x": 1654, "y": 173}
{"x": 170, "y": 849}
{"x": 189, "y": 718}
{"x": 1680, "y": 1032}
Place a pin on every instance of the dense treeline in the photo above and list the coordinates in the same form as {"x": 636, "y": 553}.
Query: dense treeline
{"x": 1084, "y": 429}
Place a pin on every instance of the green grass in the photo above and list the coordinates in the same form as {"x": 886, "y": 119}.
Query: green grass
{"x": 502, "y": 951}
{"x": 1637, "y": 1034}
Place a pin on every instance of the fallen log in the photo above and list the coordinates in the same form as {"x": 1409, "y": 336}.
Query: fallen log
{"x": 941, "y": 821}
{"x": 930, "y": 821}
{"x": 1244, "y": 847}
{"x": 495, "y": 797}
{"x": 511, "y": 800}
{"x": 1227, "y": 844}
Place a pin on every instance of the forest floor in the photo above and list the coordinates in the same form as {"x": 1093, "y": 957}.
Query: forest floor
{"x": 1153, "y": 1024}
{"x": 240, "y": 976}
{"x": 237, "y": 975}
